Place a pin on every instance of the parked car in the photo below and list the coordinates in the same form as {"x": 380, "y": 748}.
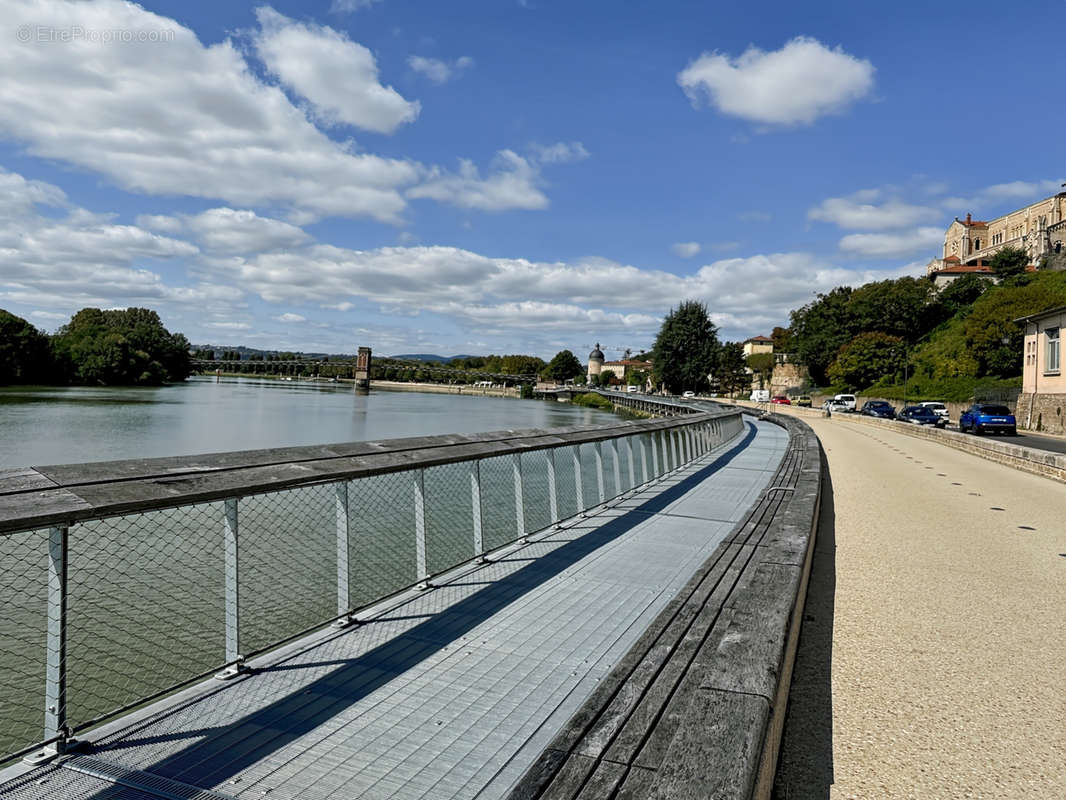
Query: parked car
{"x": 833, "y": 406}
{"x": 760, "y": 396}
{"x": 847, "y": 399}
{"x": 632, "y": 389}
{"x": 982, "y": 417}
{"x": 922, "y": 415}
{"x": 804, "y": 400}
{"x": 937, "y": 408}
{"x": 689, "y": 394}
{"x": 878, "y": 408}
{"x": 781, "y": 400}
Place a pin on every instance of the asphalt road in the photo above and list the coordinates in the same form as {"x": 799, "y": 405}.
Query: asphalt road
{"x": 931, "y": 653}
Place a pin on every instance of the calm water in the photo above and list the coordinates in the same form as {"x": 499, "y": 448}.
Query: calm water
{"x": 146, "y": 603}
{"x": 65, "y": 425}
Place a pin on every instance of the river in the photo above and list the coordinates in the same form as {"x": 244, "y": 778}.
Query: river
{"x": 146, "y": 591}
{"x": 69, "y": 425}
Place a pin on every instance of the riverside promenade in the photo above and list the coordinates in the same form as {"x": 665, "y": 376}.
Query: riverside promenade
{"x": 454, "y": 690}
{"x": 930, "y": 663}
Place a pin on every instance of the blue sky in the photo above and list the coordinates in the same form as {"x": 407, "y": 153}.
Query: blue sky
{"x": 504, "y": 175}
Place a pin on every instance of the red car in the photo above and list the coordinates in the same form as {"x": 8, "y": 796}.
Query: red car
{"x": 781, "y": 400}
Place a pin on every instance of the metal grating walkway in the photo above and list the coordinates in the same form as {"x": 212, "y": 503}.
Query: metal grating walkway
{"x": 451, "y": 693}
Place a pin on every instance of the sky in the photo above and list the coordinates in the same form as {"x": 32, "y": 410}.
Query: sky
{"x": 503, "y": 176}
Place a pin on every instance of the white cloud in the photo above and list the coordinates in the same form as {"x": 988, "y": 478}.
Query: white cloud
{"x": 1021, "y": 193}
{"x": 797, "y": 84}
{"x": 892, "y": 245}
{"x": 228, "y": 231}
{"x": 346, "y": 6}
{"x": 855, "y": 212}
{"x": 83, "y": 259}
{"x": 197, "y": 123}
{"x": 512, "y": 183}
{"x": 560, "y": 152}
{"x": 337, "y": 76}
{"x": 229, "y": 326}
{"x": 290, "y": 317}
{"x": 440, "y": 71}
{"x": 686, "y": 249}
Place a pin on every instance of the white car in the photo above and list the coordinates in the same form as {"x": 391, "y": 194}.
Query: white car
{"x": 937, "y": 408}
{"x": 689, "y": 394}
{"x": 847, "y": 399}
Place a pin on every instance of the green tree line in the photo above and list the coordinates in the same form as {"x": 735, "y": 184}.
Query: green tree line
{"x": 97, "y": 347}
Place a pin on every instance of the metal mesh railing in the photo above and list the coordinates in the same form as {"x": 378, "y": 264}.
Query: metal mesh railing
{"x": 103, "y": 614}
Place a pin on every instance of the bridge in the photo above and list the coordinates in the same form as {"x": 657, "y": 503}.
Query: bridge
{"x": 361, "y": 369}
{"x": 608, "y": 611}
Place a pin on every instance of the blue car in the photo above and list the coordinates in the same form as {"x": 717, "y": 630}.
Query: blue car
{"x": 982, "y": 417}
{"x": 920, "y": 415}
{"x": 878, "y": 408}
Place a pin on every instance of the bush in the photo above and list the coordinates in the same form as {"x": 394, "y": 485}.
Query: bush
{"x": 593, "y": 400}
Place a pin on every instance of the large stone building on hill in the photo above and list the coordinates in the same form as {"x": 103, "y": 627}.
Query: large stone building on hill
{"x": 1039, "y": 229}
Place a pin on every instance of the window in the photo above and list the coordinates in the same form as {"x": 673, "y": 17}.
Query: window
{"x": 1051, "y": 356}
{"x": 976, "y": 244}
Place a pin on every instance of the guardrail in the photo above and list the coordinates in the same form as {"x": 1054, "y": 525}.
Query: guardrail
{"x": 124, "y": 581}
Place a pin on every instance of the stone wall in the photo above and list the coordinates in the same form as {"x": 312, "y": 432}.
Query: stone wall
{"x": 1042, "y": 412}
{"x": 788, "y": 376}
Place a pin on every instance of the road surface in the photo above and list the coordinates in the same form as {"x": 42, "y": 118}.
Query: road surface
{"x": 932, "y": 651}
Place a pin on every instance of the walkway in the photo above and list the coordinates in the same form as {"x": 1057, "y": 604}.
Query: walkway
{"x": 450, "y": 694}
{"x": 932, "y": 651}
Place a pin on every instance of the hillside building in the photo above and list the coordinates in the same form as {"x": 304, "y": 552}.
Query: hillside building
{"x": 1038, "y": 229}
{"x": 1042, "y": 403}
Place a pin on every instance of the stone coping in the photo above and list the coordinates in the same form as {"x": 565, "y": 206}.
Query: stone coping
{"x": 697, "y": 707}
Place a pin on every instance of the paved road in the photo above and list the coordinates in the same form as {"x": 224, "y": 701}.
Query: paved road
{"x": 931, "y": 658}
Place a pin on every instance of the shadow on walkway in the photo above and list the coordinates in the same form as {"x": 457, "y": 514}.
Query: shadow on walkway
{"x": 805, "y": 763}
{"x": 209, "y": 755}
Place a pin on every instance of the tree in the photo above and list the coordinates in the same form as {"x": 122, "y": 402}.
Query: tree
{"x": 25, "y": 355}
{"x": 121, "y": 346}
{"x": 866, "y": 359}
{"x": 762, "y": 364}
{"x": 898, "y": 307}
{"x": 637, "y": 377}
{"x": 563, "y": 367}
{"x": 1009, "y": 262}
{"x": 730, "y": 372}
{"x": 686, "y": 348}
{"x": 819, "y": 329}
{"x": 607, "y": 377}
{"x": 782, "y": 339}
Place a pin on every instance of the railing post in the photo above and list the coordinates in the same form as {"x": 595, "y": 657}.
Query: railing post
{"x": 475, "y": 500}
{"x": 673, "y": 441}
{"x": 55, "y": 686}
{"x": 340, "y": 504}
{"x": 420, "y": 529}
{"x": 663, "y": 443}
{"x": 617, "y": 467}
{"x": 643, "y": 461}
{"x": 233, "y": 604}
{"x": 654, "y": 457}
{"x": 553, "y": 492}
{"x": 578, "y": 488}
{"x": 629, "y": 458}
{"x": 599, "y": 472}
{"x": 519, "y": 502}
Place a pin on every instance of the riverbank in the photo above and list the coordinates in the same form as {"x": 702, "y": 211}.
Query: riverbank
{"x": 444, "y": 388}
{"x": 388, "y": 386}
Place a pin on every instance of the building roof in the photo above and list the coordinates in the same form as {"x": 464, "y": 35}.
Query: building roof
{"x": 759, "y": 339}
{"x": 627, "y": 362}
{"x": 596, "y": 354}
{"x": 1041, "y": 314}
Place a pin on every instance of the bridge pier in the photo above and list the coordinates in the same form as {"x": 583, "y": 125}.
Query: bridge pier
{"x": 362, "y": 370}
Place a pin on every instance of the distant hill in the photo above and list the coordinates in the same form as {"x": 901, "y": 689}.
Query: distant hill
{"x": 428, "y": 357}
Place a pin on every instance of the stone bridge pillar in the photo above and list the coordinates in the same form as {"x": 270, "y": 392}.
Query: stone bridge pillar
{"x": 362, "y": 370}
